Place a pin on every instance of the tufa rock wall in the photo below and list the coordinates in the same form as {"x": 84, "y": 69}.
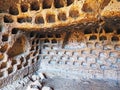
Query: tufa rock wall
{"x": 71, "y": 38}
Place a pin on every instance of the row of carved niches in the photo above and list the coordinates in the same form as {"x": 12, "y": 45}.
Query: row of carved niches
{"x": 26, "y": 12}
{"x": 104, "y": 60}
{"x": 38, "y": 5}
{"x": 44, "y": 40}
{"x": 41, "y": 18}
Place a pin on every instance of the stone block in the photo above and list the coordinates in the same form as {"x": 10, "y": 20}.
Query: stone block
{"x": 110, "y": 74}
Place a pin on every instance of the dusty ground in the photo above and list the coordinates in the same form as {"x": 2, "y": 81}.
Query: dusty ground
{"x": 58, "y": 83}
{"x": 67, "y": 84}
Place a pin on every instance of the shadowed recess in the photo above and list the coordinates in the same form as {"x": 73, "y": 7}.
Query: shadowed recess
{"x": 102, "y": 38}
{"x": 1, "y": 74}
{"x": 50, "y": 18}
{"x": 3, "y": 65}
{"x": 10, "y": 70}
{"x": 86, "y": 8}
{"x": 108, "y": 30}
{"x": 24, "y": 7}
{"x": 93, "y": 37}
{"x": 115, "y": 38}
{"x": 54, "y": 41}
{"x": 34, "y": 5}
{"x": 5, "y": 37}
{"x": 8, "y": 19}
{"x": 39, "y": 20}
{"x": 46, "y": 41}
{"x": 13, "y": 10}
{"x": 42, "y": 36}
{"x": 14, "y": 31}
{"x": 47, "y": 4}
{"x": 59, "y": 3}
{"x": 74, "y": 13}
{"x": 87, "y": 31}
{"x": 62, "y": 16}
{"x": 13, "y": 62}
{"x": 69, "y": 2}
{"x": 4, "y": 48}
{"x": 118, "y": 31}
{"x": 50, "y": 35}
{"x": 32, "y": 34}
{"x": 57, "y": 35}
{"x": 24, "y": 19}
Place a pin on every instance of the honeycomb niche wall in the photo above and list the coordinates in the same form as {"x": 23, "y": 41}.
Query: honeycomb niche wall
{"x": 77, "y": 39}
{"x": 18, "y": 56}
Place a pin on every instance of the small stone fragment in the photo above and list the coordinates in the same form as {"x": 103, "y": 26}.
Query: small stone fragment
{"x": 42, "y": 76}
{"x": 35, "y": 77}
{"x": 34, "y": 86}
{"x": 47, "y": 88}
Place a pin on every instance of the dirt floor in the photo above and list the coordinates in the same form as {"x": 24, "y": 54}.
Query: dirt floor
{"x": 67, "y": 84}
{"x": 57, "y": 83}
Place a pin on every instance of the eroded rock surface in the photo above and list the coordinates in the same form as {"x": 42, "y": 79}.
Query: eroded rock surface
{"x": 77, "y": 39}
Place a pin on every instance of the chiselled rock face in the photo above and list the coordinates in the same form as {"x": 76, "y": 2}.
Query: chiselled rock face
{"x": 81, "y": 37}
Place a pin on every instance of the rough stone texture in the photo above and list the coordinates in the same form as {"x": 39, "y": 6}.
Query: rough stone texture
{"x": 77, "y": 39}
{"x": 76, "y": 13}
{"x": 68, "y": 84}
{"x": 17, "y": 48}
{"x": 79, "y": 55}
